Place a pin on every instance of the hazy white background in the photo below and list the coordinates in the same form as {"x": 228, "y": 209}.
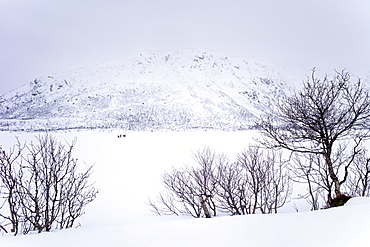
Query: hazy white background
{"x": 41, "y": 37}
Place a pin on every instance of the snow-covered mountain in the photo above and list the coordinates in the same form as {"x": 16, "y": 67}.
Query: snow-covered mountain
{"x": 171, "y": 90}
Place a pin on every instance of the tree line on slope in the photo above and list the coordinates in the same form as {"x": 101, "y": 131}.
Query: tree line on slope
{"x": 323, "y": 128}
{"x": 42, "y": 187}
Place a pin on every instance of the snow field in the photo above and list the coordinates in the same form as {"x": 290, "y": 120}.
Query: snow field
{"x": 128, "y": 171}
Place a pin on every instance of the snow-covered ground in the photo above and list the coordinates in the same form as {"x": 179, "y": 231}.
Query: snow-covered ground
{"x": 127, "y": 171}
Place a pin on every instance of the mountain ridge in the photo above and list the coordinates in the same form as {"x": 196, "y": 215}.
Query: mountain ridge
{"x": 157, "y": 90}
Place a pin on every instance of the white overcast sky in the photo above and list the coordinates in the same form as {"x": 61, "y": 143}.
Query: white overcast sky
{"x": 41, "y": 37}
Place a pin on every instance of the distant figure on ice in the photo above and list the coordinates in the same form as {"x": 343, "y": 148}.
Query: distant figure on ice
{"x": 120, "y": 136}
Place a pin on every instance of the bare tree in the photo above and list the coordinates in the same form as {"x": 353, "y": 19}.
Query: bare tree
{"x": 190, "y": 190}
{"x": 233, "y": 193}
{"x": 277, "y": 185}
{"x": 328, "y": 117}
{"x": 309, "y": 170}
{"x": 167, "y": 205}
{"x": 267, "y": 180}
{"x": 76, "y": 194}
{"x": 255, "y": 167}
{"x": 52, "y": 190}
{"x": 183, "y": 194}
{"x": 9, "y": 178}
{"x": 47, "y": 165}
{"x": 204, "y": 176}
{"x": 359, "y": 179}
{"x": 257, "y": 181}
{"x": 43, "y": 187}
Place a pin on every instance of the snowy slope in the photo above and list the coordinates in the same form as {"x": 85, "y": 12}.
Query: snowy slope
{"x": 127, "y": 171}
{"x": 342, "y": 227}
{"x": 181, "y": 89}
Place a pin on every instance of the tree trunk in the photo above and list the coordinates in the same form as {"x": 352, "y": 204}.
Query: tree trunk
{"x": 203, "y": 203}
{"x": 337, "y": 188}
{"x": 332, "y": 175}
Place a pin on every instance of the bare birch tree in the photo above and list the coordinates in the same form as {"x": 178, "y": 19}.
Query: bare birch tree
{"x": 256, "y": 181}
{"x": 326, "y": 118}
{"x": 43, "y": 187}
{"x": 267, "y": 179}
{"x": 359, "y": 179}
{"x": 10, "y": 175}
{"x": 190, "y": 190}
{"x": 53, "y": 191}
{"x": 233, "y": 193}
